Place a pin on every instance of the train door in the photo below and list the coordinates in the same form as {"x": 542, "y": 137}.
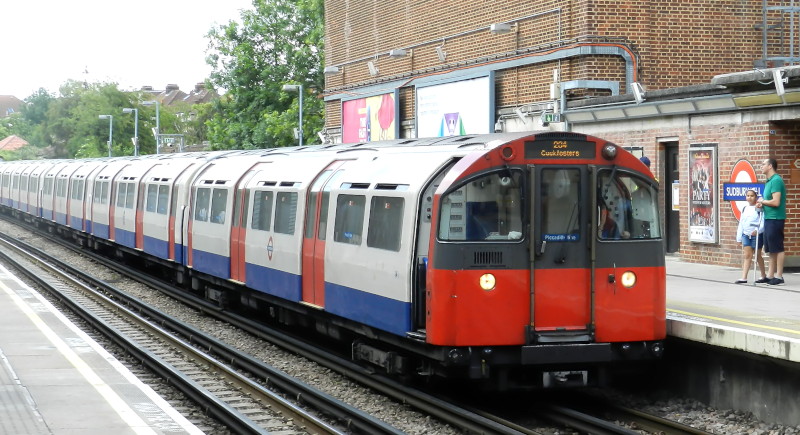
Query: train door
{"x": 561, "y": 296}
{"x": 239, "y": 227}
{"x": 671, "y": 213}
{"x": 314, "y": 236}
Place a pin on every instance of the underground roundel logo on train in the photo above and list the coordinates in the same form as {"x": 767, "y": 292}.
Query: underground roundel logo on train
{"x": 269, "y": 248}
{"x": 743, "y": 177}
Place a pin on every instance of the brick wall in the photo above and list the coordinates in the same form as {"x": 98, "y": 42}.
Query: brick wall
{"x": 679, "y": 43}
{"x": 753, "y": 141}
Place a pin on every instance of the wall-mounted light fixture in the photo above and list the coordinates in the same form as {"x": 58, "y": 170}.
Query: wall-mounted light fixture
{"x": 502, "y": 28}
{"x": 777, "y": 76}
{"x": 397, "y": 53}
{"x": 331, "y": 70}
{"x": 638, "y": 92}
{"x": 373, "y": 69}
{"x": 440, "y": 53}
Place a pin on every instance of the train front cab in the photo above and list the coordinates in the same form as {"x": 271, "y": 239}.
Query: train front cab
{"x": 527, "y": 270}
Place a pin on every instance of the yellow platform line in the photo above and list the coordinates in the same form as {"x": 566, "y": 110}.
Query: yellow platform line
{"x": 738, "y": 322}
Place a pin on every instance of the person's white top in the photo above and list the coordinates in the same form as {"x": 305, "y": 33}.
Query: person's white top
{"x": 750, "y": 220}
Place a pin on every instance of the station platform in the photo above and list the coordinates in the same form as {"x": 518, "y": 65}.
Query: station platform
{"x": 55, "y": 379}
{"x": 705, "y": 305}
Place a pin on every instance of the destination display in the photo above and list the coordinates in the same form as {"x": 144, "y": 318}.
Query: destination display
{"x": 560, "y": 149}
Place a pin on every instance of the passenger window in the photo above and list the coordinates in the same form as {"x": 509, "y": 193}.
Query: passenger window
{"x": 152, "y": 197}
{"x": 163, "y": 199}
{"x": 218, "y": 206}
{"x": 262, "y": 210}
{"x": 285, "y": 212}
{"x": 97, "y": 190}
{"x": 487, "y": 208}
{"x": 201, "y": 204}
{"x": 130, "y": 196}
{"x": 349, "y": 222}
{"x": 121, "y": 189}
{"x": 103, "y": 199}
{"x": 627, "y": 207}
{"x": 385, "y": 223}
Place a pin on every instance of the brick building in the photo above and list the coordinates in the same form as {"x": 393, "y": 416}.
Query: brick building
{"x": 674, "y": 80}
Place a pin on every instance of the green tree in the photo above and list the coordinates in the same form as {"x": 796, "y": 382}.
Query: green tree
{"x": 278, "y": 42}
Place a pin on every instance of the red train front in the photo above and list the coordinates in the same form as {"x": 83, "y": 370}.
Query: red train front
{"x": 547, "y": 262}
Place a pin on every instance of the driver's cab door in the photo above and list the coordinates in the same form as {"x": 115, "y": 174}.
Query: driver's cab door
{"x": 561, "y": 305}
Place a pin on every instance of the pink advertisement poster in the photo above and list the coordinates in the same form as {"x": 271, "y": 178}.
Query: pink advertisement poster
{"x": 369, "y": 119}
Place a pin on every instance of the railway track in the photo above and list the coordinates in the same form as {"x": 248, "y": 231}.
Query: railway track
{"x": 191, "y": 364}
{"x": 350, "y": 419}
{"x": 467, "y": 420}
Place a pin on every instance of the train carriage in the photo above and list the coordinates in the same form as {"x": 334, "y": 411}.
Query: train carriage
{"x": 35, "y": 182}
{"x": 127, "y": 211}
{"x": 61, "y": 194}
{"x": 161, "y": 191}
{"x": 80, "y": 194}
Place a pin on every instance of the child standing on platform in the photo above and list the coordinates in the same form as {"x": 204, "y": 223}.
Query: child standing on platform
{"x": 751, "y": 228}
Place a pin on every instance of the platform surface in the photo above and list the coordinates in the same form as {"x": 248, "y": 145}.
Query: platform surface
{"x": 54, "y": 379}
{"x": 705, "y": 305}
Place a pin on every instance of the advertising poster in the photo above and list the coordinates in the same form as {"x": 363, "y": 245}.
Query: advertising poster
{"x": 369, "y": 119}
{"x": 702, "y": 193}
{"x": 454, "y": 109}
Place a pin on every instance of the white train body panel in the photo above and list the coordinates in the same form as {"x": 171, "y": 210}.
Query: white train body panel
{"x": 163, "y": 214}
{"x": 273, "y": 245}
{"x": 371, "y": 281}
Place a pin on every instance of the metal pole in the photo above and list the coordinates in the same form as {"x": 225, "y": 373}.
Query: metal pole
{"x": 136, "y": 132}
{"x": 158, "y": 130}
{"x": 301, "y": 113}
{"x": 110, "y": 132}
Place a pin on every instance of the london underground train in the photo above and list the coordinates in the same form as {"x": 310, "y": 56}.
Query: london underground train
{"x": 511, "y": 260}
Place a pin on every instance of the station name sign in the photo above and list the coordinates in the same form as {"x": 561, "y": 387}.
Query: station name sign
{"x": 560, "y": 149}
{"x": 738, "y": 191}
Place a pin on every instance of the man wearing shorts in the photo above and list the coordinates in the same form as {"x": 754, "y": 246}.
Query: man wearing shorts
{"x": 774, "y": 206}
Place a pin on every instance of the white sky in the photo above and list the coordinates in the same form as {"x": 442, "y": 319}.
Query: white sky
{"x": 132, "y": 42}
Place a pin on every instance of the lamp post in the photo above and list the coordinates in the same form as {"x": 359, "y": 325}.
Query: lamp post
{"x": 135, "y": 128}
{"x": 110, "y": 119}
{"x": 299, "y": 90}
{"x": 158, "y": 124}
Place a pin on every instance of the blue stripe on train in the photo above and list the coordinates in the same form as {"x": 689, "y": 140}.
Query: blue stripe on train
{"x": 125, "y": 237}
{"x": 212, "y": 264}
{"x": 100, "y": 230}
{"x": 278, "y": 283}
{"x": 380, "y": 312}
{"x": 76, "y": 222}
{"x": 157, "y": 247}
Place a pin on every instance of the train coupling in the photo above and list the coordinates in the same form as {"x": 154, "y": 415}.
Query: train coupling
{"x": 579, "y": 378}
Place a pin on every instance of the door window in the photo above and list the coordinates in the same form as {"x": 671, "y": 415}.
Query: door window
{"x": 560, "y": 190}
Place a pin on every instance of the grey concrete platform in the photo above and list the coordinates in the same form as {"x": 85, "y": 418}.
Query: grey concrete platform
{"x": 54, "y": 379}
{"x": 705, "y": 305}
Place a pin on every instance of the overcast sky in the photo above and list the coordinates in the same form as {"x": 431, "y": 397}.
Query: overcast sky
{"x": 133, "y": 43}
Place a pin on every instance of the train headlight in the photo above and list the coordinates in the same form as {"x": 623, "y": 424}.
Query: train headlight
{"x": 628, "y": 279}
{"x": 487, "y": 281}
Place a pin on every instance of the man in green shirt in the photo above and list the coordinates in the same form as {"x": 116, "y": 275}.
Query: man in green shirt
{"x": 773, "y": 203}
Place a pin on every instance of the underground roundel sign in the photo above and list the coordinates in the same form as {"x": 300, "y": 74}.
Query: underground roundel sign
{"x": 743, "y": 178}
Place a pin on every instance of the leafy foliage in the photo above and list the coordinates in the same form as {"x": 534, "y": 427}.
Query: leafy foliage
{"x": 277, "y": 43}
